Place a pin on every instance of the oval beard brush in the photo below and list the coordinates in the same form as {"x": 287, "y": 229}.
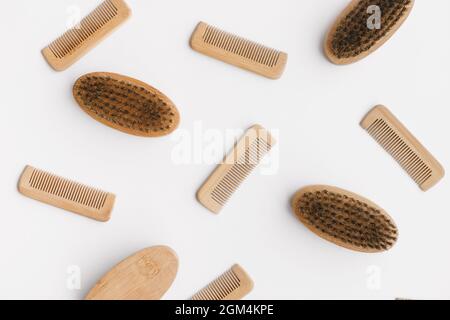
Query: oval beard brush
{"x": 126, "y": 104}
{"x": 345, "y": 219}
{"x": 350, "y": 39}
{"x": 146, "y": 275}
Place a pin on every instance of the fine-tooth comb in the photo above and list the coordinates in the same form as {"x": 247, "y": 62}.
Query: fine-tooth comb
{"x": 234, "y": 284}
{"x": 238, "y": 51}
{"x": 65, "y": 194}
{"x": 76, "y": 42}
{"x": 227, "y": 178}
{"x": 392, "y": 135}
{"x": 146, "y": 275}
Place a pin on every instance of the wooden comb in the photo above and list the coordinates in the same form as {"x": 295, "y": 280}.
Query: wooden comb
{"x": 146, "y": 275}
{"x": 390, "y": 133}
{"x": 227, "y": 178}
{"x": 65, "y": 194}
{"x": 239, "y": 52}
{"x": 234, "y": 284}
{"x": 76, "y": 42}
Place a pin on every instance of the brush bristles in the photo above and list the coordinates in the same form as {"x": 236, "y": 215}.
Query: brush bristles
{"x": 345, "y": 220}
{"x": 126, "y": 105}
{"x": 352, "y": 36}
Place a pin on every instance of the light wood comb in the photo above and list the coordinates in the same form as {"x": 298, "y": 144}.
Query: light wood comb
{"x": 146, "y": 275}
{"x": 76, "y": 42}
{"x": 65, "y": 194}
{"x": 238, "y": 51}
{"x": 234, "y": 284}
{"x": 237, "y": 166}
{"x": 393, "y": 136}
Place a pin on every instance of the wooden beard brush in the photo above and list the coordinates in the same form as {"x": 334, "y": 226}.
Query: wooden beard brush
{"x": 146, "y": 275}
{"x": 345, "y": 219}
{"x": 126, "y": 104}
{"x": 353, "y": 36}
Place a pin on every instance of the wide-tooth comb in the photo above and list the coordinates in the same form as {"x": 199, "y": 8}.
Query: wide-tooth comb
{"x": 65, "y": 194}
{"x": 237, "y": 166}
{"x": 238, "y": 51}
{"x": 393, "y": 136}
{"x": 234, "y": 284}
{"x": 76, "y": 42}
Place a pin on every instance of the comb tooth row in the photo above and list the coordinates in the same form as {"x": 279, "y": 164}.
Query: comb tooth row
{"x": 63, "y": 188}
{"x": 232, "y": 285}
{"x": 240, "y": 171}
{"x": 396, "y": 147}
{"x": 238, "y": 51}
{"x": 422, "y": 167}
{"x": 242, "y": 47}
{"x": 237, "y": 166}
{"x": 66, "y": 194}
{"x": 88, "y": 26}
{"x": 74, "y": 43}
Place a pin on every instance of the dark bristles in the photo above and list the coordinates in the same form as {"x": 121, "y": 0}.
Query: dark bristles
{"x": 126, "y": 105}
{"x": 353, "y": 37}
{"x": 346, "y": 221}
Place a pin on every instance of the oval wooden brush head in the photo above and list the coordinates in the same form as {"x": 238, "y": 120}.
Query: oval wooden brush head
{"x": 146, "y": 275}
{"x": 350, "y": 39}
{"x": 126, "y": 104}
{"x": 345, "y": 219}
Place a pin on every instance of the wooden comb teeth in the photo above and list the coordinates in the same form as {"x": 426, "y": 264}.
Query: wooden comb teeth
{"x": 76, "y": 42}
{"x": 238, "y": 51}
{"x": 65, "y": 194}
{"x": 234, "y": 284}
{"x": 237, "y": 166}
{"x": 390, "y": 133}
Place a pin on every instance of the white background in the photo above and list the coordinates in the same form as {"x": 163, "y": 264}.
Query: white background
{"x": 316, "y": 107}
